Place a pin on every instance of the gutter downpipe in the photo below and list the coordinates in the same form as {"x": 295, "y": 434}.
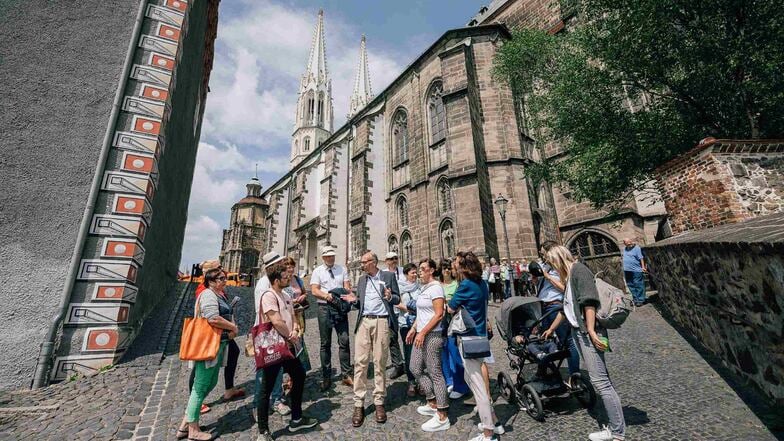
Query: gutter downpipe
{"x": 47, "y": 347}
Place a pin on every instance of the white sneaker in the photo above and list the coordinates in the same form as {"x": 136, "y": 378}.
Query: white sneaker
{"x": 426, "y": 410}
{"x": 481, "y": 437}
{"x": 449, "y": 389}
{"x": 604, "y": 435}
{"x": 435, "y": 424}
{"x": 455, "y": 395}
{"x": 498, "y": 429}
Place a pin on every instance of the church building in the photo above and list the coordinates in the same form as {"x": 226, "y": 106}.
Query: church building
{"x": 417, "y": 169}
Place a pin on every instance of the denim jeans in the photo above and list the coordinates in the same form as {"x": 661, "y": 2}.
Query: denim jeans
{"x": 549, "y": 314}
{"x": 600, "y": 379}
{"x": 452, "y": 365}
{"x": 507, "y": 289}
{"x": 635, "y": 281}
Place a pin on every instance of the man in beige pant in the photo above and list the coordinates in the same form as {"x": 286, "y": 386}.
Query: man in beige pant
{"x": 377, "y": 291}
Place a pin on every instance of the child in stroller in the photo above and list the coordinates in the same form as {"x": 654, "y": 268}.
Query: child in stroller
{"x": 519, "y": 321}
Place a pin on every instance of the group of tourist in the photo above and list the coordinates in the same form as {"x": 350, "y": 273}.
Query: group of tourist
{"x": 405, "y": 314}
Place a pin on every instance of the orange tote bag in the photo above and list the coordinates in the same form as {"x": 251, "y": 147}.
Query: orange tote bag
{"x": 200, "y": 340}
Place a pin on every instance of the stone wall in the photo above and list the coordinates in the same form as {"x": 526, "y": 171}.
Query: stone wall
{"x": 721, "y": 182}
{"x": 725, "y": 286}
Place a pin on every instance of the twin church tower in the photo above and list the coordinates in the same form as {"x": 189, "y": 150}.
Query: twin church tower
{"x": 315, "y": 114}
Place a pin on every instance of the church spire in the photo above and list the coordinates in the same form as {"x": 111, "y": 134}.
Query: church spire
{"x": 362, "y": 92}
{"x": 317, "y": 61}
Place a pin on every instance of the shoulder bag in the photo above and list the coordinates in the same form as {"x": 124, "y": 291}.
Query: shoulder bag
{"x": 269, "y": 346}
{"x": 200, "y": 340}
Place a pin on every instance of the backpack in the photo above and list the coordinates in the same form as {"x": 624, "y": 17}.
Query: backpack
{"x": 615, "y": 305}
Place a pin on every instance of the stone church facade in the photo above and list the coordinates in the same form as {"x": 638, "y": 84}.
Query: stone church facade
{"x": 417, "y": 168}
{"x": 245, "y": 237}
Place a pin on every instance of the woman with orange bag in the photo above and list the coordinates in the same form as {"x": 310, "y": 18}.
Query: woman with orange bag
{"x": 218, "y": 312}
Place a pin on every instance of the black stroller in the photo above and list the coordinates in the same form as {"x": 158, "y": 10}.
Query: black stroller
{"x": 531, "y": 394}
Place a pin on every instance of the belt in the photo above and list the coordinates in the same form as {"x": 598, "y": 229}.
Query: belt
{"x": 552, "y": 303}
{"x": 371, "y": 316}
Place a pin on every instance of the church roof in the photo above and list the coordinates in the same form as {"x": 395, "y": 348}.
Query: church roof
{"x": 252, "y": 200}
{"x": 317, "y": 61}
{"x": 362, "y": 94}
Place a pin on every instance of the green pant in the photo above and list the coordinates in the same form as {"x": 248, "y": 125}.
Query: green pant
{"x": 203, "y": 383}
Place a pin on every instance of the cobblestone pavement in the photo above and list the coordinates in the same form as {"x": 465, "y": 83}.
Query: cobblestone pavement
{"x": 667, "y": 389}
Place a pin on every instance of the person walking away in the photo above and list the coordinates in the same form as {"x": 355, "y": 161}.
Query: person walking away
{"x": 505, "y": 279}
{"x": 495, "y": 280}
{"x": 428, "y": 344}
{"x": 409, "y": 291}
{"x": 581, "y": 299}
{"x": 277, "y": 308}
{"x": 324, "y": 279}
{"x": 262, "y": 286}
{"x": 218, "y": 312}
{"x": 472, "y": 295}
{"x": 451, "y": 362}
{"x": 398, "y": 363}
{"x": 377, "y": 292}
{"x": 634, "y": 270}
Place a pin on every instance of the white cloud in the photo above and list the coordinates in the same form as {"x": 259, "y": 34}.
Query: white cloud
{"x": 203, "y": 236}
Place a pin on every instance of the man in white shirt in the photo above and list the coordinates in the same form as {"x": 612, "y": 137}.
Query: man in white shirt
{"x": 377, "y": 291}
{"x": 398, "y": 363}
{"x": 325, "y": 278}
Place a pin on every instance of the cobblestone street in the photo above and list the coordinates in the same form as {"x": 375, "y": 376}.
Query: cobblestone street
{"x": 668, "y": 392}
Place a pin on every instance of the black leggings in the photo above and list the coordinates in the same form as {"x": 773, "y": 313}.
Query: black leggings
{"x": 229, "y": 370}
{"x": 297, "y": 373}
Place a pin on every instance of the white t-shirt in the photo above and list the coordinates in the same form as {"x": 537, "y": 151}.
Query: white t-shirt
{"x": 568, "y": 306}
{"x": 424, "y": 304}
{"x": 327, "y": 281}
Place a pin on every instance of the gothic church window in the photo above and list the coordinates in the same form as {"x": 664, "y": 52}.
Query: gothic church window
{"x": 592, "y": 244}
{"x": 306, "y": 144}
{"x": 402, "y": 212}
{"x": 447, "y": 234}
{"x": 310, "y": 109}
{"x": 445, "y": 202}
{"x": 400, "y": 136}
{"x": 437, "y": 113}
{"x": 392, "y": 245}
{"x": 408, "y": 248}
{"x": 321, "y": 109}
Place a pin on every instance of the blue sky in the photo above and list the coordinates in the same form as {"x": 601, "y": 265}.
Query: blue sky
{"x": 260, "y": 54}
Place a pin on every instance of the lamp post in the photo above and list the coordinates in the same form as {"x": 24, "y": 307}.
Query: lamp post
{"x": 501, "y": 202}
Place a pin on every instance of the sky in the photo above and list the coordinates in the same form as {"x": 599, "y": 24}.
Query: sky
{"x": 260, "y": 55}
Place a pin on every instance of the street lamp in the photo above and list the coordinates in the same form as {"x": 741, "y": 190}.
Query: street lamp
{"x": 501, "y": 202}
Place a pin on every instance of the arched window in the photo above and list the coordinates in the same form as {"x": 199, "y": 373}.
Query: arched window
{"x": 447, "y": 234}
{"x": 593, "y": 244}
{"x": 321, "y": 109}
{"x": 402, "y": 212}
{"x": 408, "y": 248}
{"x": 436, "y": 113}
{"x": 445, "y": 203}
{"x": 392, "y": 245}
{"x": 400, "y": 136}
{"x": 306, "y": 144}
{"x": 296, "y": 145}
{"x": 310, "y": 109}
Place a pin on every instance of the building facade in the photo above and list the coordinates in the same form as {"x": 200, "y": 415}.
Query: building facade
{"x": 100, "y": 147}
{"x": 244, "y": 239}
{"x": 416, "y": 169}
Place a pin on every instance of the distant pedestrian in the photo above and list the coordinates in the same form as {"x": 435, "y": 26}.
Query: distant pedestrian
{"x": 451, "y": 362}
{"x": 398, "y": 365}
{"x": 409, "y": 292}
{"x": 634, "y": 270}
{"x": 218, "y": 312}
{"x": 494, "y": 280}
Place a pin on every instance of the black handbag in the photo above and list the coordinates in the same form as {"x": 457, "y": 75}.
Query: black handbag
{"x": 475, "y": 347}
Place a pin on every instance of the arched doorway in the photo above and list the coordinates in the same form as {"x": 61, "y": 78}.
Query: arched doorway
{"x": 600, "y": 253}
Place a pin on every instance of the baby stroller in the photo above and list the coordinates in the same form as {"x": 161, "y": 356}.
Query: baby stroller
{"x": 518, "y": 313}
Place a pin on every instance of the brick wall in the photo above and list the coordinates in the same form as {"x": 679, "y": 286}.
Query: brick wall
{"x": 518, "y": 14}
{"x": 721, "y": 182}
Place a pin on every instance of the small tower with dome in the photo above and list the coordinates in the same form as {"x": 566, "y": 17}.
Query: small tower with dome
{"x": 244, "y": 240}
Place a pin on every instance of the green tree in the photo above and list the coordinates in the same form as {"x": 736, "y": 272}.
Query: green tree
{"x": 637, "y": 82}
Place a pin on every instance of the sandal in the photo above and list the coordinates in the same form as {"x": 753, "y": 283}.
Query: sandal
{"x": 204, "y": 408}
{"x": 201, "y": 436}
{"x": 182, "y": 434}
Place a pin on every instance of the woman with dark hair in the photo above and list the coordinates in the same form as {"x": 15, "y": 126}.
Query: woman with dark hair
{"x": 218, "y": 312}
{"x": 471, "y": 295}
{"x": 409, "y": 291}
{"x": 581, "y": 300}
{"x": 276, "y": 308}
{"x": 451, "y": 362}
{"x": 428, "y": 342}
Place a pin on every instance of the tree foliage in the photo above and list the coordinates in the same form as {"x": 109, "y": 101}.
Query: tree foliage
{"x": 636, "y": 82}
